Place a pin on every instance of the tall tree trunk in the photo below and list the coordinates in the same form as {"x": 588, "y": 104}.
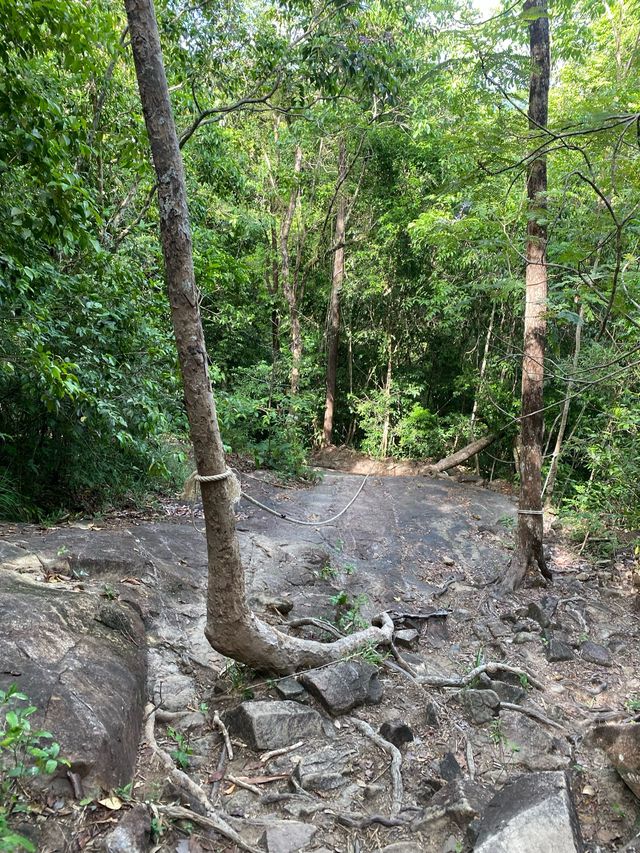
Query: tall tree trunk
{"x": 274, "y": 290}
{"x": 529, "y": 556}
{"x": 337, "y": 279}
{"x": 231, "y": 627}
{"x": 288, "y": 283}
{"x": 555, "y": 457}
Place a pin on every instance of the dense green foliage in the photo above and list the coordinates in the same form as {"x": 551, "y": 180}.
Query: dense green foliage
{"x": 432, "y": 107}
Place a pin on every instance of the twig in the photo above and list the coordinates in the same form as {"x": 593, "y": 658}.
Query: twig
{"x": 267, "y": 756}
{"x": 355, "y": 821}
{"x": 217, "y": 722}
{"x": 535, "y": 715}
{"x": 396, "y": 761}
{"x": 246, "y": 785}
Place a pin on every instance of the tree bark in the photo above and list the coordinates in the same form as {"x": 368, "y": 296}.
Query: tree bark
{"x": 384, "y": 444}
{"x": 231, "y": 627}
{"x": 529, "y": 556}
{"x": 337, "y": 279}
{"x": 288, "y": 284}
{"x": 464, "y": 453}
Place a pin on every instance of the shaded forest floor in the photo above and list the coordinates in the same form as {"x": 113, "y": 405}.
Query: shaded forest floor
{"x": 426, "y": 549}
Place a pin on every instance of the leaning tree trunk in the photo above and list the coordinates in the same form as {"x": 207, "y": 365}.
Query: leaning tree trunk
{"x": 463, "y": 454}
{"x": 529, "y": 556}
{"x": 337, "y": 279}
{"x": 231, "y": 627}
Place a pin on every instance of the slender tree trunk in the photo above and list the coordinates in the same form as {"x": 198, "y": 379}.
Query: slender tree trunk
{"x": 555, "y": 458}
{"x": 288, "y": 285}
{"x": 529, "y": 555}
{"x": 337, "y": 279}
{"x": 274, "y": 290}
{"x": 483, "y": 370}
{"x": 384, "y": 444}
{"x": 231, "y": 627}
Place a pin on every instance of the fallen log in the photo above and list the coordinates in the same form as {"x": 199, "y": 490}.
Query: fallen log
{"x": 463, "y": 454}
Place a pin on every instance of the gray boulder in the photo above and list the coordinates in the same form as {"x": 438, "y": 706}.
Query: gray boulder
{"x": 344, "y": 685}
{"x": 83, "y": 664}
{"x": 621, "y": 742}
{"x": 132, "y": 834}
{"x": 287, "y": 836}
{"x": 595, "y": 653}
{"x": 533, "y": 814}
{"x": 270, "y": 725}
{"x": 483, "y": 705}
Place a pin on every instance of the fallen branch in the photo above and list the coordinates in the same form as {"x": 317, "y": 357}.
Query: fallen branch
{"x": 535, "y": 715}
{"x": 274, "y": 753}
{"x": 464, "y": 680}
{"x": 193, "y": 791}
{"x": 463, "y": 454}
{"x": 217, "y": 722}
{"x": 396, "y": 761}
{"x": 210, "y": 821}
{"x": 240, "y": 783}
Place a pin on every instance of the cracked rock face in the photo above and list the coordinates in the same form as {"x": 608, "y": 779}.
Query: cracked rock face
{"x": 84, "y": 672}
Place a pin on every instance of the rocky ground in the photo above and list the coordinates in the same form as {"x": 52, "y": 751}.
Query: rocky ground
{"x": 525, "y": 750}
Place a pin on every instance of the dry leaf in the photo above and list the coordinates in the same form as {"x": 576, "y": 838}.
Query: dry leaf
{"x": 113, "y": 803}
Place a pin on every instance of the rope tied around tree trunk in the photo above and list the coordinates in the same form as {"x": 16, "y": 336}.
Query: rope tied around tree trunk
{"x": 530, "y": 512}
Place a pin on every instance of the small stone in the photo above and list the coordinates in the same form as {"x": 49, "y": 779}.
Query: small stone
{"x": 449, "y": 768}
{"x": 323, "y": 770}
{"x": 557, "y": 650}
{"x": 483, "y": 705}
{"x": 406, "y": 637}
{"x": 290, "y": 688}
{"x": 595, "y": 653}
{"x": 396, "y": 732}
{"x": 535, "y": 812}
{"x": 542, "y": 611}
{"x": 131, "y": 834}
{"x": 497, "y": 629}
{"x": 400, "y": 847}
{"x": 448, "y": 561}
{"x": 344, "y": 685}
{"x": 524, "y": 637}
{"x": 271, "y": 725}
{"x": 287, "y": 836}
{"x": 508, "y": 692}
{"x": 432, "y": 718}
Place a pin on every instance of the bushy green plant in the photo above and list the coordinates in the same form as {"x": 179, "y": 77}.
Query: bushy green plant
{"x": 24, "y": 753}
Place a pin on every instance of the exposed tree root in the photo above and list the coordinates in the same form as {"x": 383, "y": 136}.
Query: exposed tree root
{"x": 396, "y": 761}
{"x": 320, "y": 624}
{"x": 192, "y": 792}
{"x": 264, "y": 648}
{"x": 464, "y": 680}
{"x": 535, "y": 715}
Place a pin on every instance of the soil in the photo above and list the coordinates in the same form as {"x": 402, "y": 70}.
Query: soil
{"x": 409, "y": 543}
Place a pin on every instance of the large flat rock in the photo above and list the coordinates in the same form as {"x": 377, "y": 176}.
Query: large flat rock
{"x": 533, "y": 814}
{"x": 81, "y": 660}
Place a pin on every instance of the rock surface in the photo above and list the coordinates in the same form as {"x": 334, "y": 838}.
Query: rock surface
{"x": 132, "y": 833}
{"x": 396, "y": 732}
{"x": 271, "y": 725}
{"x": 287, "y": 836}
{"x": 84, "y": 663}
{"x": 482, "y": 705}
{"x": 621, "y": 742}
{"x": 533, "y": 814}
{"x": 595, "y": 653}
{"x": 344, "y": 685}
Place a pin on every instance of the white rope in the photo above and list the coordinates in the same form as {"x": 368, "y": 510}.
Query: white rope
{"x": 299, "y": 521}
{"x": 530, "y": 512}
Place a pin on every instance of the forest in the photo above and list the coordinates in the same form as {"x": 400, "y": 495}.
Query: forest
{"x": 241, "y": 241}
{"x": 357, "y": 185}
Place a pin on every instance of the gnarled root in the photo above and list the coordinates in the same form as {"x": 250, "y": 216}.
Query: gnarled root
{"x": 266, "y": 649}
